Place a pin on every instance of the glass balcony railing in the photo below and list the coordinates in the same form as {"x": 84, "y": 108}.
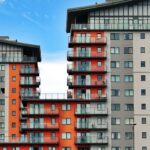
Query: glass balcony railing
{"x": 91, "y": 140}
{"x": 111, "y": 26}
{"x": 30, "y": 95}
{"x": 71, "y": 54}
{"x": 84, "y": 82}
{"x": 87, "y": 40}
{"x": 28, "y": 126}
{"x": 71, "y": 68}
{"x": 91, "y": 126}
{"x": 35, "y": 140}
{"x": 91, "y": 111}
{"x": 40, "y": 112}
{"x": 17, "y": 59}
{"x": 29, "y": 71}
{"x": 31, "y": 83}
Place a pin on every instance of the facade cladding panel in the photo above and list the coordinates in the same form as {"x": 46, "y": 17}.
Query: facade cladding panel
{"x": 107, "y": 103}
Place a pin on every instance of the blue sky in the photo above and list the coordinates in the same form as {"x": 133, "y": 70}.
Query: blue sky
{"x": 41, "y": 22}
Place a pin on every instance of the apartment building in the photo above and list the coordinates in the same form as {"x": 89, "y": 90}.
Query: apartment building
{"x": 107, "y": 103}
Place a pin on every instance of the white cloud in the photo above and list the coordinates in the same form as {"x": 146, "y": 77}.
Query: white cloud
{"x": 2, "y": 1}
{"x": 53, "y": 77}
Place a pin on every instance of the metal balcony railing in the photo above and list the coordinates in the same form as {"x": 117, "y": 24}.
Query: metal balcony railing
{"x": 91, "y": 140}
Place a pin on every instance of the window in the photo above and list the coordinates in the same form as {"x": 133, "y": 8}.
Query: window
{"x": 1, "y": 136}
{"x": 142, "y": 35}
{"x": 115, "y": 107}
{"x": 99, "y": 77}
{"x": 143, "y": 120}
{"x": 115, "y": 121}
{"x": 13, "y": 113}
{"x": 13, "y": 125}
{"x": 144, "y": 135}
{"x": 4, "y": 148}
{"x": 2, "y": 68}
{"x": 128, "y": 36}
{"x": 143, "y": 92}
{"x": 99, "y": 64}
{"x": 143, "y": 106}
{"x": 15, "y": 148}
{"x": 115, "y": 92}
{"x": 114, "y": 36}
{"x": 66, "y": 135}
{"x": 115, "y": 148}
{"x": 2, "y": 125}
{"x": 2, "y": 113}
{"x": 144, "y": 148}
{"x": 13, "y": 67}
{"x": 129, "y": 121}
{"x": 128, "y": 92}
{"x": 142, "y": 49}
{"x": 2, "y": 102}
{"x": 66, "y": 107}
{"x": 128, "y": 78}
{"x": 128, "y": 107}
{"x": 66, "y": 121}
{"x": 52, "y": 148}
{"x": 99, "y": 50}
{"x": 115, "y": 135}
{"x": 143, "y": 64}
{"x": 128, "y": 135}
{"x": 13, "y": 78}
{"x": 115, "y": 78}
{"x": 13, "y": 101}
{"x": 53, "y": 121}
{"x": 128, "y": 148}
{"x": 2, "y": 90}
{"x": 2, "y": 78}
{"x": 66, "y": 148}
{"x": 13, "y": 136}
{"x": 128, "y": 64}
{"x": 13, "y": 90}
{"x": 115, "y": 64}
{"x": 128, "y": 50}
{"x": 143, "y": 78}
{"x": 115, "y": 50}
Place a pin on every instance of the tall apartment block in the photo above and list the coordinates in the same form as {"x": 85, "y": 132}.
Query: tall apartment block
{"x": 107, "y": 104}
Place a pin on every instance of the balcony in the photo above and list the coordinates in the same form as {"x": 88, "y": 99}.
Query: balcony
{"x": 79, "y": 56}
{"x": 40, "y": 112}
{"x": 91, "y": 111}
{"x": 38, "y": 126}
{"x": 30, "y": 96}
{"x": 18, "y": 59}
{"x": 86, "y": 41}
{"x": 35, "y": 83}
{"x": 28, "y": 141}
{"x": 24, "y": 71}
{"x": 112, "y": 26}
{"x": 91, "y": 126}
{"x": 91, "y": 140}
{"x": 84, "y": 83}
{"x": 83, "y": 69}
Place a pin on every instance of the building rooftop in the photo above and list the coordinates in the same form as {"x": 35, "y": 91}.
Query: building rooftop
{"x": 35, "y": 48}
{"x": 72, "y": 12}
